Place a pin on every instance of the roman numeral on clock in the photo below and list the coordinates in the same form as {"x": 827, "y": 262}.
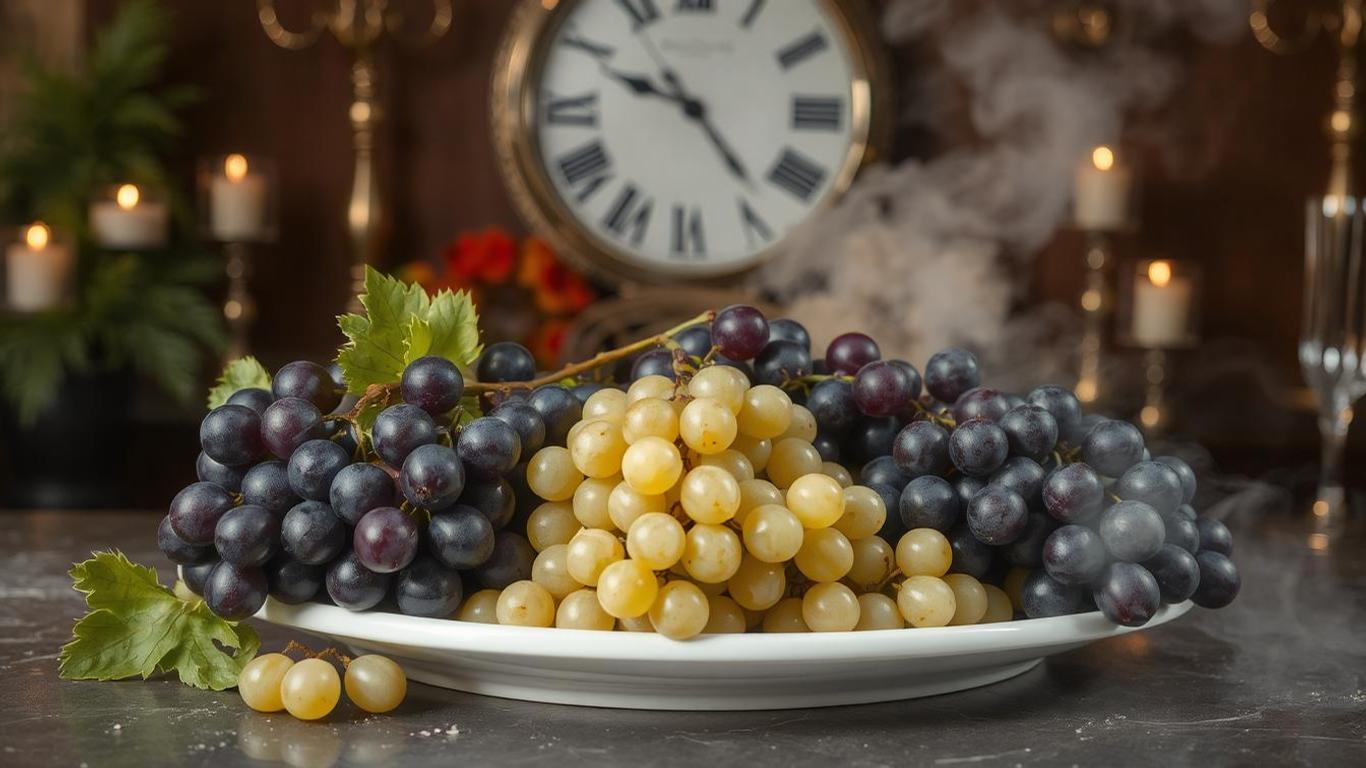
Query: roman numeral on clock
{"x": 572, "y": 39}
{"x": 687, "y": 232}
{"x": 753, "y": 225}
{"x": 631, "y": 210}
{"x": 751, "y": 13}
{"x": 817, "y": 113}
{"x": 642, "y": 12}
{"x": 693, "y": 5}
{"x": 797, "y": 174}
{"x": 573, "y": 110}
{"x": 796, "y": 52}
{"x": 585, "y": 169}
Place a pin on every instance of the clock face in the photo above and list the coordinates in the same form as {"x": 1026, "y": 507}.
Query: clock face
{"x": 688, "y": 137}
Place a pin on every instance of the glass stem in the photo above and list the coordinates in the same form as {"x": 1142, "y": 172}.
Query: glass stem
{"x": 1334, "y": 429}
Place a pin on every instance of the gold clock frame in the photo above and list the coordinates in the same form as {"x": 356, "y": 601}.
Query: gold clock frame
{"x": 517, "y": 64}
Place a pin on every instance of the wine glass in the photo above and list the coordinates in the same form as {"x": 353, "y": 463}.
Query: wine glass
{"x": 1332, "y": 346}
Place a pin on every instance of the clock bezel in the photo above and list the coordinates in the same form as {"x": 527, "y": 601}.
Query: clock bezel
{"x": 518, "y": 64}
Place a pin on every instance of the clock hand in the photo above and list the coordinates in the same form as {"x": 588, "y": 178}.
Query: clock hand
{"x": 641, "y": 86}
{"x": 696, "y": 111}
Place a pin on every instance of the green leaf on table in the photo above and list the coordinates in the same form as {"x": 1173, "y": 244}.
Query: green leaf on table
{"x": 242, "y": 373}
{"x": 137, "y": 628}
{"x": 401, "y": 324}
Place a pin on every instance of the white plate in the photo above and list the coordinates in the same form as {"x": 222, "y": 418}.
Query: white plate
{"x": 714, "y": 672}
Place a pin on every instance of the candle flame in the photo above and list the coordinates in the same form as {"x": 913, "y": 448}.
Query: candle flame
{"x": 235, "y": 168}
{"x": 1103, "y": 158}
{"x": 1160, "y": 273}
{"x": 127, "y": 197}
{"x": 37, "y": 235}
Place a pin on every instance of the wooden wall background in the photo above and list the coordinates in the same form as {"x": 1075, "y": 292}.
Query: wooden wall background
{"x": 1225, "y": 169}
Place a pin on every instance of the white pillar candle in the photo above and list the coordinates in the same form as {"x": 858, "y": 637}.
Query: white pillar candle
{"x": 1102, "y": 192}
{"x": 237, "y": 202}
{"x": 128, "y": 221}
{"x": 36, "y": 271}
{"x": 1162, "y": 304}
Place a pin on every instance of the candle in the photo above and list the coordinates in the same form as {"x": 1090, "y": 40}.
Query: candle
{"x": 36, "y": 270}
{"x": 237, "y": 202}
{"x": 1162, "y": 303}
{"x": 1102, "y": 192}
{"x": 128, "y": 221}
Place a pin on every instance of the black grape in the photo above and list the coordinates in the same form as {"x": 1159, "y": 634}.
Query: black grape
{"x": 1112, "y": 446}
{"x": 1177, "y": 573}
{"x": 506, "y": 361}
{"x": 527, "y": 421}
{"x": 1063, "y": 406}
{"x": 883, "y": 470}
{"x": 353, "y": 586}
{"x": 460, "y": 537}
{"x": 967, "y": 487}
{"x": 1042, "y": 596}
{"x": 950, "y": 373}
{"x": 1074, "y": 554}
{"x": 195, "y": 576}
{"x": 293, "y": 582}
{"x": 997, "y": 516}
{"x": 432, "y": 477}
{"x": 1073, "y": 493}
{"x": 210, "y": 471}
{"x": 1154, "y": 484}
{"x": 881, "y": 389}
{"x": 1023, "y": 476}
{"x": 1027, "y": 550}
{"x": 970, "y": 555}
{"x": 1219, "y": 580}
{"x": 911, "y": 373}
{"x": 827, "y": 445}
{"x": 195, "y": 512}
{"x": 433, "y": 384}
{"x": 314, "y": 466}
{"x": 869, "y": 439}
{"x": 252, "y": 397}
{"x": 489, "y": 448}
{"x": 695, "y": 340}
{"x": 247, "y": 536}
{"x": 234, "y": 592}
{"x": 308, "y": 381}
{"x": 832, "y": 403}
{"x": 428, "y": 588}
{"x": 177, "y": 550}
{"x": 922, "y": 448}
{"x": 359, "y": 488}
{"x": 656, "y": 362}
{"x": 398, "y": 430}
{"x": 1132, "y": 531}
{"x": 385, "y": 540}
{"x": 267, "y": 485}
{"x": 978, "y": 447}
{"x": 1031, "y": 431}
{"x": 289, "y": 423}
{"x": 1182, "y": 532}
{"x": 930, "y": 502}
{"x": 849, "y": 352}
{"x": 312, "y": 533}
{"x": 231, "y": 435}
{"x": 1127, "y": 594}
{"x": 980, "y": 403}
{"x": 892, "y": 528}
{"x": 559, "y": 411}
{"x": 739, "y": 331}
{"x": 510, "y": 561}
{"x": 1214, "y": 536}
{"x": 1183, "y": 471}
{"x": 585, "y": 390}
{"x": 784, "y": 329}
{"x": 494, "y": 500}
{"x": 780, "y": 361}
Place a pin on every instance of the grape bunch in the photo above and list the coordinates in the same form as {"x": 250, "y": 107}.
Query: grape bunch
{"x": 296, "y": 504}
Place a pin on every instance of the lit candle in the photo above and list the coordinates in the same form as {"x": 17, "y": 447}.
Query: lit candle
{"x": 128, "y": 221}
{"x": 1102, "y": 192}
{"x": 36, "y": 270}
{"x": 1162, "y": 304}
{"x": 237, "y": 202}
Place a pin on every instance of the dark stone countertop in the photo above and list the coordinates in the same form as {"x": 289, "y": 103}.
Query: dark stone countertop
{"x": 1279, "y": 678}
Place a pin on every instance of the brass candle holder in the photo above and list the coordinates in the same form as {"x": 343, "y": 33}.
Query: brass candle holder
{"x": 360, "y": 26}
{"x": 237, "y": 208}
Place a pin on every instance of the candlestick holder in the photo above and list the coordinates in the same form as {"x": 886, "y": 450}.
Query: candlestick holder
{"x": 1157, "y": 311}
{"x": 1095, "y": 308}
{"x": 359, "y": 25}
{"x": 237, "y": 208}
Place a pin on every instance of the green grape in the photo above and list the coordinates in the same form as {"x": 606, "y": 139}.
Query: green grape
{"x": 310, "y": 689}
{"x": 375, "y": 684}
{"x": 877, "y": 611}
{"x": 712, "y": 554}
{"x": 757, "y": 585}
{"x": 581, "y": 610}
{"x": 707, "y": 426}
{"x": 259, "y": 683}
{"x": 480, "y": 607}
{"x": 755, "y": 449}
{"x": 926, "y": 601}
{"x": 830, "y": 607}
{"x": 735, "y": 463}
{"x": 597, "y": 449}
{"x": 590, "y": 502}
{"x": 551, "y": 523}
{"x": 590, "y": 551}
{"x": 657, "y": 540}
{"x": 772, "y": 533}
{"x": 826, "y": 555}
{"x": 650, "y": 417}
{"x": 923, "y": 552}
{"x": 874, "y": 560}
{"x": 970, "y": 599}
{"x": 551, "y": 474}
{"x": 551, "y": 571}
{"x": 817, "y": 500}
{"x": 651, "y": 465}
{"x": 838, "y": 472}
{"x": 526, "y": 604}
{"x": 791, "y": 459}
{"x": 605, "y": 404}
{"x": 786, "y": 616}
{"x": 709, "y": 495}
{"x": 998, "y": 605}
{"x": 652, "y": 387}
{"x": 864, "y": 512}
{"x": 802, "y": 425}
{"x": 755, "y": 494}
{"x": 766, "y": 412}
{"x": 724, "y": 616}
{"x": 721, "y": 383}
{"x": 627, "y": 589}
{"x": 680, "y": 610}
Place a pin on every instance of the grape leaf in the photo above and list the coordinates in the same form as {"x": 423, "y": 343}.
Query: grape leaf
{"x": 136, "y": 628}
{"x": 242, "y": 373}
{"x": 400, "y": 325}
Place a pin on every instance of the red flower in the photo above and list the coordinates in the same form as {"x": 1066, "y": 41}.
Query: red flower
{"x": 486, "y": 257}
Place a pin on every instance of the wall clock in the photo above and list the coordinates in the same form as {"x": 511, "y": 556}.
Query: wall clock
{"x": 666, "y": 140}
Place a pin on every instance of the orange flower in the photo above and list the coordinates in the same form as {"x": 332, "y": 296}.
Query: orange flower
{"x": 547, "y": 341}
{"x": 486, "y": 256}
{"x": 420, "y": 272}
{"x": 558, "y": 290}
